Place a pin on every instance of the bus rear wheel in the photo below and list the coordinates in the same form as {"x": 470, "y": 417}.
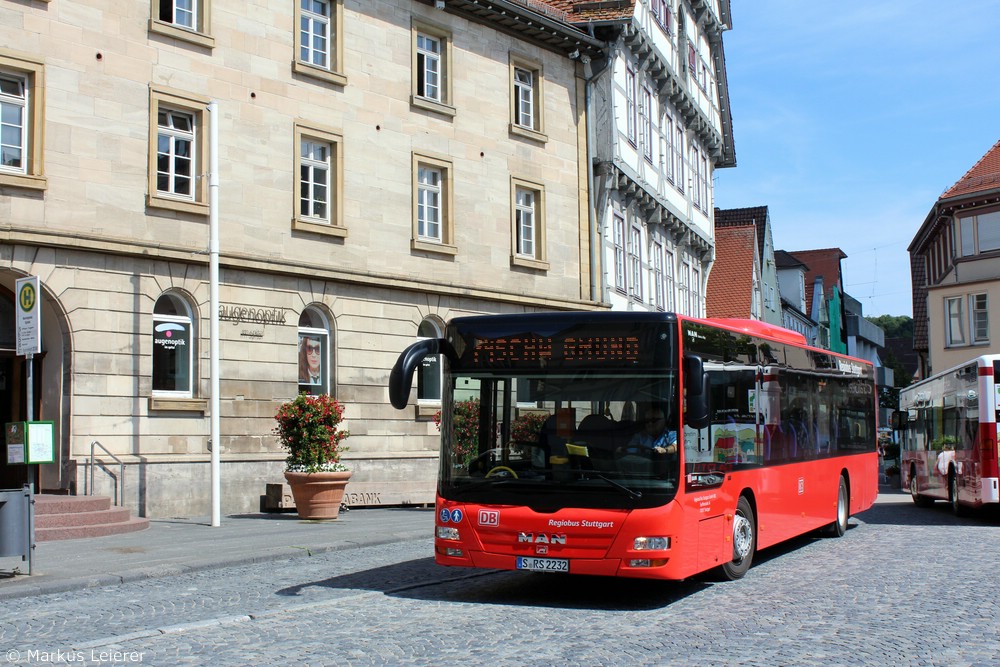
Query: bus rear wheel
{"x": 744, "y": 541}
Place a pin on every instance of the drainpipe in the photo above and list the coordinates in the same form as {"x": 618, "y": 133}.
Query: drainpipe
{"x": 213, "y": 272}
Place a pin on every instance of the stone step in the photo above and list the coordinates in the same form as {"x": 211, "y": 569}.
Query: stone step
{"x": 45, "y": 504}
{"x": 64, "y": 519}
{"x": 59, "y": 517}
{"x": 99, "y": 530}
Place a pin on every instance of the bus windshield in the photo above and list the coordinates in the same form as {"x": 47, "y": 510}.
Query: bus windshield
{"x": 572, "y": 438}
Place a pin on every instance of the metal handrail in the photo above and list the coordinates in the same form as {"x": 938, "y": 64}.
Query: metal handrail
{"x": 119, "y": 499}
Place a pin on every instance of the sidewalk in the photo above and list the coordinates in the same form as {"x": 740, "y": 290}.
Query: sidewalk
{"x": 175, "y": 546}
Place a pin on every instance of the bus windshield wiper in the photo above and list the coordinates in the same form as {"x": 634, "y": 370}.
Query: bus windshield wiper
{"x": 631, "y": 493}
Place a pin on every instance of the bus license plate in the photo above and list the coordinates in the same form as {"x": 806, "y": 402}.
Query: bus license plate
{"x": 543, "y": 564}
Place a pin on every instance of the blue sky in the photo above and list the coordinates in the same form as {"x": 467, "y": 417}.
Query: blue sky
{"x": 852, "y": 118}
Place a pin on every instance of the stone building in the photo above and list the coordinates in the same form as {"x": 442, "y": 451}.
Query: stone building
{"x": 382, "y": 167}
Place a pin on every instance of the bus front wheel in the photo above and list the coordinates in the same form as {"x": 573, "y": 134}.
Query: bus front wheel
{"x": 744, "y": 541}
{"x": 918, "y": 500}
{"x": 839, "y": 525}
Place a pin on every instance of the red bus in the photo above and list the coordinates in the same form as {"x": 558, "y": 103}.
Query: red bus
{"x": 949, "y": 424}
{"x": 764, "y": 439}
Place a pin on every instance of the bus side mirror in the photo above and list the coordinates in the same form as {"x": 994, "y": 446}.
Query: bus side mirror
{"x": 697, "y": 393}
{"x": 401, "y": 376}
{"x": 899, "y": 419}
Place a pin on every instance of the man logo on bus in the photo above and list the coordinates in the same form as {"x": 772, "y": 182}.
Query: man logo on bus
{"x": 541, "y": 538}
{"x": 489, "y": 518}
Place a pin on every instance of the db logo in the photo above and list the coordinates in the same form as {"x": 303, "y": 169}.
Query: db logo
{"x": 489, "y": 518}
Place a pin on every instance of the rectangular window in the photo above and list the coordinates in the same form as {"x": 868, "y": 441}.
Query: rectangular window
{"x": 314, "y": 27}
{"x": 314, "y": 374}
{"x": 314, "y": 180}
{"x": 13, "y": 123}
{"x": 683, "y": 288}
{"x": 179, "y": 12}
{"x": 635, "y": 263}
{"x": 187, "y": 20}
{"x": 319, "y": 207}
{"x": 695, "y": 179}
{"x": 695, "y": 308}
{"x": 656, "y": 277}
{"x": 431, "y": 86}
{"x": 429, "y": 67}
{"x": 703, "y": 171}
{"x": 528, "y": 234}
{"x": 524, "y": 98}
{"x": 954, "y": 322}
{"x": 668, "y": 148}
{"x": 525, "y": 221}
{"x": 679, "y": 156}
{"x": 979, "y": 233}
{"x": 429, "y": 204}
{"x": 21, "y": 119}
{"x": 619, "y": 241}
{"x": 979, "y": 312}
{"x": 668, "y": 280}
{"x": 179, "y": 153}
{"x": 630, "y": 108}
{"x": 646, "y": 119}
{"x": 318, "y": 43}
{"x": 175, "y": 154}
{"x": 432, "y": 219}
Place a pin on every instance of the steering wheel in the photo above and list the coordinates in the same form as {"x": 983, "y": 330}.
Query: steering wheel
{"x": 501, "y": 471}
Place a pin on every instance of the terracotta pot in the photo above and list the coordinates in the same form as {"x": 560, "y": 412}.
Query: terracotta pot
{"x": 318, "y": 495}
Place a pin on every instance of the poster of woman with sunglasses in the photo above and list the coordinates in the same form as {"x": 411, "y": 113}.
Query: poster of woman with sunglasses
{"x": 311, "y": 361}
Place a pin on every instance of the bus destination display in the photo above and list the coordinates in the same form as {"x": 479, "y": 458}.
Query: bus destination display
{"x": 570, "y": 350}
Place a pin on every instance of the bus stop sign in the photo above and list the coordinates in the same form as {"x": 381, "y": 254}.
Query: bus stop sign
{"x": 29, "y": 330}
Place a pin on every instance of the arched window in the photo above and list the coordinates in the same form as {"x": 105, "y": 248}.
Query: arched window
{"x": 315, "y": 353}
{"x": 429, "y": 374}
{"x": 173, "y": 347}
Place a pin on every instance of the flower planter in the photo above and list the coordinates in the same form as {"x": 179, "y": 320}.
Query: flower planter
{"x": 318, "y": 494}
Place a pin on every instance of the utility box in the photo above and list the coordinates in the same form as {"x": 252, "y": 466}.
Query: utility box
{"x": 17, "y": 522}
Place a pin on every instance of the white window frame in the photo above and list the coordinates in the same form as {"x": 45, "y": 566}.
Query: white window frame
{"x": 180, "y": 150}
{"x": 646, "y": 128}
{"x": 163, "y": 100}
{"x": 695, "y": 309}
{"x": 670, "y": 286}
{"x": 954, "y": 322}
{"x": 166, "y": 18}
{"x": 667, "y": 131}
{"x": 524, "y": 97}
{"x": 679, "y": 156}
{"x": 631, "y": 120}
{"x": 635, "y": 262}
{"x": 433, "y": 224}
{"x": 28, "y": 76}
{"x": 979, "y": 318}
{"x": 618, "y": 240}
{"x": 528, "y": 225}
{"x": 330, "y": 222}
{"x": 656, "y": 274}
{"x": 315, "y": 24}
{"x": 14, "y": 121}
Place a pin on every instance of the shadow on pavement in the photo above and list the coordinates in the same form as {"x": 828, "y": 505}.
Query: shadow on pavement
{"x": 422, "y": 579}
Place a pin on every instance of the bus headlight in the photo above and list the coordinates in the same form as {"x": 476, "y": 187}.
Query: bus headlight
{"x": 651, "y": 543}
{"x": 447, "y": 533}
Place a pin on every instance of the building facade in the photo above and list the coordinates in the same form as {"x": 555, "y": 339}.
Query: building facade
{"x": 383, "y": 166}
{"x": 955, "y": 271}
{"x": 767, "y": 276}
{"x": 661, "y": 125}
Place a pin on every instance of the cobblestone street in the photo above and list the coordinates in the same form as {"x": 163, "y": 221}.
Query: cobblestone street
{"x": 890, "y": 592}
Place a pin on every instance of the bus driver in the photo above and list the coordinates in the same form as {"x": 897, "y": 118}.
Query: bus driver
{"x": 654, "y": 436}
